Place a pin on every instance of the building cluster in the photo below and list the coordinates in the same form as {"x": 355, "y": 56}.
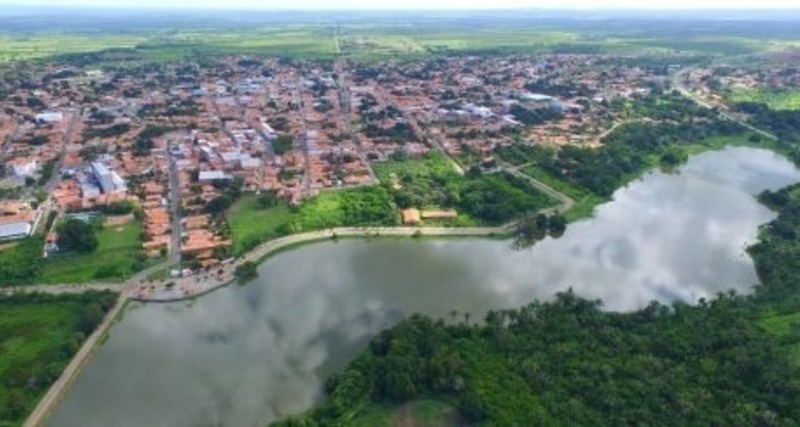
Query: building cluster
{"x": 469, "y": 106}
{"x": 714, "y": 83}
{"x": 176, "y": 138}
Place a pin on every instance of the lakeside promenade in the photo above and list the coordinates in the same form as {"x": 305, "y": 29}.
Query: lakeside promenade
{"x": 171, "y": 290}
{"x": 197, "y": 285}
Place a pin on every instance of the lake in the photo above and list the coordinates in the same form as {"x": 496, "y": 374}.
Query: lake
{"x": 246, "y": 355}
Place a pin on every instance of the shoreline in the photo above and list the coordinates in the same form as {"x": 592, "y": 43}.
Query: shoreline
{"x": 57, "y": 391}
{"x": 195, "y": 286}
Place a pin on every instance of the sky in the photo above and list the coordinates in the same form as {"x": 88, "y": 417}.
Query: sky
{"x": 421, "y": 4}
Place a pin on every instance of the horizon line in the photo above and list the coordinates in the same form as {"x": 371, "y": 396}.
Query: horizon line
{"x": 45, "y": 7}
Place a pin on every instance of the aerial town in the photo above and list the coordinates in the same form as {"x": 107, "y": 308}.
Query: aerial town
{"x": 173, "y": 138}
{"x": 440, "y": 213}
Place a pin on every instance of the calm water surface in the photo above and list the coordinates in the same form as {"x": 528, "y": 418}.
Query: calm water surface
{"x": 246, "y": 355}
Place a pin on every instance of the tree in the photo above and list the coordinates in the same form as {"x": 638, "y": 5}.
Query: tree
{"x": 268, "y": 199}
{"x": 76, "y": 235}
{"x": 557, "y": 225}
{"x": 219, "y": 204}
{"x": 246, "y": 271}
{"x": 282, "y": 144}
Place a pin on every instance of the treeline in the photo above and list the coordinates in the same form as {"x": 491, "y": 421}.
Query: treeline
{"x": 777, "y": 254}
{"x": 567, "y": 362}
{"x": 108, "y": 132}
{"x": 21, "y": 265}
{"x": 784, "y": 124}
{"x": 535, "y": 116}
{"x": 629, "y": 151}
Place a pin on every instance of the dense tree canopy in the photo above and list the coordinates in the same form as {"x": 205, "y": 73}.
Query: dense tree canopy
{"x": 76, "y": 235}
{"x": 21, "y": 265}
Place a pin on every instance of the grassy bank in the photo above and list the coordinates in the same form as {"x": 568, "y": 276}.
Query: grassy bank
{"x": 38, "y": 336}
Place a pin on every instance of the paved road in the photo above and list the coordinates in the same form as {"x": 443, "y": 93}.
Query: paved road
{"x": 677, "y": 83}
{"x": 297, "y": 94}
{"x": 346, "y": 110}
{"x": 62, "y": 384}
{"x": 175, "y": 207}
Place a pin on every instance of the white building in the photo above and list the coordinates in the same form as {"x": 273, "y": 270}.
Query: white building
{"x": 109, "y": 181}
{"x": 50, "y": 117}
{"x": 210, "y": 176}
{"x": 15, "y": 230}
{"x": 23, "y": 168}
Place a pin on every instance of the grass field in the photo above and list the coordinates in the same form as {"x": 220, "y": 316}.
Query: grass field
{"x": 38, "y": 335}
{"x": 310, "y": 41}
{"x": 251, "y": 224}
{"x": 15, "y": 48}
{"x": 776, "y": 99}
{"x": 366, "y": 42}
{"x": 112, "y": 261}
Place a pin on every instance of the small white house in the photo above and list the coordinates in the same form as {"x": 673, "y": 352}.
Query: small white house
{"x": 15, "y": 230}
{"x": 23, "y": 168}
{"x": 50, "y": 117}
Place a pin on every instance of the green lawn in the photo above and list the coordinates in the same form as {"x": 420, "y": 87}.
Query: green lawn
{"x": 38, "y": 336}
{"x": 114, "y": 260}
{"x": 251, "y": 224}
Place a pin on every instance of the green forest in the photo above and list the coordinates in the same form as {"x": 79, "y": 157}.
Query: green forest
{"x": 39, "y": 334}
{"x": 729, "y": 361}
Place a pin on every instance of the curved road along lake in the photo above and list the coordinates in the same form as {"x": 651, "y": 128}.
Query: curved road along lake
{"x": 246, "y": 355}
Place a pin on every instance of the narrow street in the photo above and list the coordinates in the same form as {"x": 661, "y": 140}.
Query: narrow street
{"x": 302, "y": 140}
{"x": 175, "y": 208}
{"x": 345, "y": 105}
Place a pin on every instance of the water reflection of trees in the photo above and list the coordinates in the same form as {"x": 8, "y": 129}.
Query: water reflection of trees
{"x": 532, "y": 228}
